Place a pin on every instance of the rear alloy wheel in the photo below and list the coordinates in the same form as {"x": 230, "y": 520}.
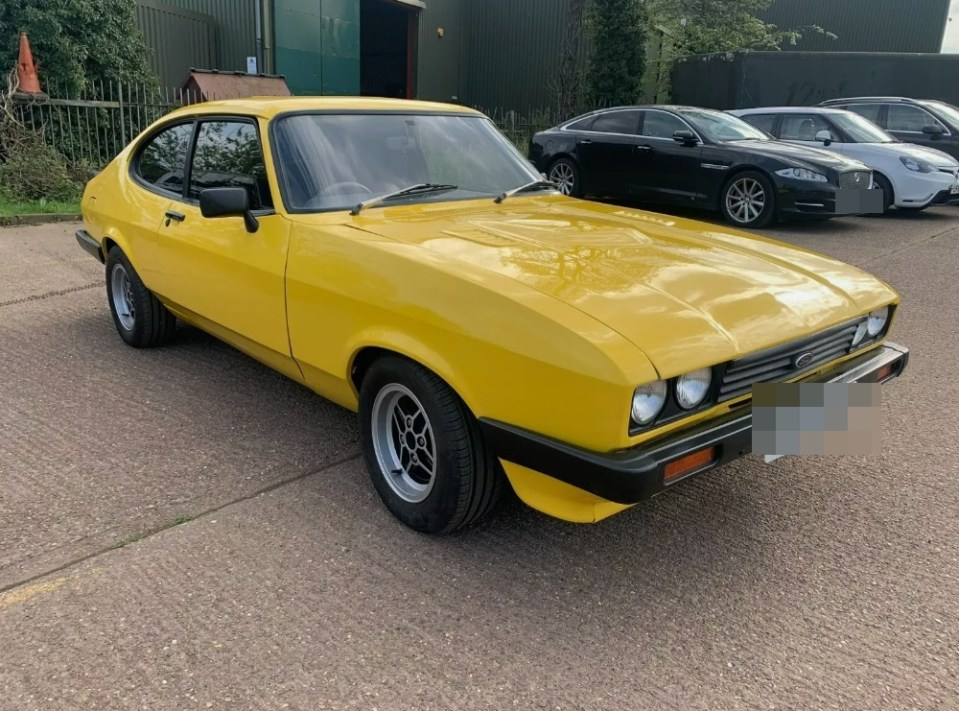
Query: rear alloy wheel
{"x": 748, "y": 200}
{"x": 566, "y": 176}
{"x": 141, "y": 320}
{"x": 423, "y": 448}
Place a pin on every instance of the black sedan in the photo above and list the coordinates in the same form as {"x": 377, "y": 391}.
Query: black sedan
{"x": 700, "y": 158}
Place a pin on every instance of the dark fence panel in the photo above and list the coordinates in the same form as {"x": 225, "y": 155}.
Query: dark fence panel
{"x": 90, "y": 129}
{"x": 804, "y": 78}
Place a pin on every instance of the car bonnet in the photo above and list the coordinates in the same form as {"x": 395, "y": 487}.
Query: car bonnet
{"x": 686, "y": 293}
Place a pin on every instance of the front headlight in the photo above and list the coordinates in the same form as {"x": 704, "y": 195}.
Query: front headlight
{"x": 877, "y": 321}
{"x": 648, "y": 401}
{"x": 860, "y": 332}
{"x": 916, "y": 166}
{"x": 802, "y": 174}
{"x": 692, "y": 388}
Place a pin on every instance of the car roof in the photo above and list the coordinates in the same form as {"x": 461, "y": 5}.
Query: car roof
{"x": 791, "y": 110}
{"x": 270, "y": 106}
{"x": 872, "y": 99}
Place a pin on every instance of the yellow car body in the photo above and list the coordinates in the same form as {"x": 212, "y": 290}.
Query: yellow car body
{"x": 543, "y": 313}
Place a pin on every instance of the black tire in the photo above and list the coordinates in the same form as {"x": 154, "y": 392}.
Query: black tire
{"x": 748, "y": 183}
{"x": 888, "y": 196}
{"x": 149, "y": 323}
{"x": 467, "y": 479}
{"x": 565, "y": 173}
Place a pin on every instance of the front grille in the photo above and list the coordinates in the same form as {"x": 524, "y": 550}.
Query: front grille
{"x": 954, "y": 172}
{"x": 854, "y": 179}
{"x": 776, "y": 364}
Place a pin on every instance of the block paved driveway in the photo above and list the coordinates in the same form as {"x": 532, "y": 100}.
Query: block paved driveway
{"x": 261, "y": 572}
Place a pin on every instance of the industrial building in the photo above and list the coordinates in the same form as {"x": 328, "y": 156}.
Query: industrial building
{"x": 488, "y": 53}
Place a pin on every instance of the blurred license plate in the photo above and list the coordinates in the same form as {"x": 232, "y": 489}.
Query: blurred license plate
{"x": 816, "y": 418}
{"x": 852, "y": 201}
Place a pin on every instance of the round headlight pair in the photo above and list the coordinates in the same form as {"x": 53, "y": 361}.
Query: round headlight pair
{"x": 872, "y": 325}
{"x": 691, "y": 389}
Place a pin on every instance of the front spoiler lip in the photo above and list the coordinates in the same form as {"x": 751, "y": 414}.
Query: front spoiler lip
{"x": 631, "y": 475}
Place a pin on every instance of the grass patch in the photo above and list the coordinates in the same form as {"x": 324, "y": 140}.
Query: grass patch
{"x": 36, "y": 207}
{"x": 130, "y": 539}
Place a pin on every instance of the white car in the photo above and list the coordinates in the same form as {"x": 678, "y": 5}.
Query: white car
{"x": 911, "y": 177}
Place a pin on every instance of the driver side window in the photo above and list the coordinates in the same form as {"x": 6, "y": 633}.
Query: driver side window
{"x": 228, "y": 154}
{"x": 804, "y": 127}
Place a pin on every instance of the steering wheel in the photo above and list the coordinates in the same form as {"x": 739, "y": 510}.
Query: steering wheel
{"x": 345, "y": 188}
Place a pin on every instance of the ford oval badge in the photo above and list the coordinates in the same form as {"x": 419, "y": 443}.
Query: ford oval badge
{"x": 803, "y": 359}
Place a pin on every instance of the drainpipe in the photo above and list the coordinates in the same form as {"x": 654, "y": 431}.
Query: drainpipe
{"x": 266, "y": 36}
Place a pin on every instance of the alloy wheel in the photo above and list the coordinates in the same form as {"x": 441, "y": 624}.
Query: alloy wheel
{"x": 403, "y": 442}
{"x": 562, "y": 174}
{"x": 122, "y": 291}
{"x": 745, "y": 200}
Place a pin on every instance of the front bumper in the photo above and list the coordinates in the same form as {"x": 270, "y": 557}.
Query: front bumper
{"x": 804, "y": 198}
{"x": 631, "y": 475}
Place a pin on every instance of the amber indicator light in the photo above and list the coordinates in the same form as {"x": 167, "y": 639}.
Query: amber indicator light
{"x": 884, "y": 372}
{"x": 689, "y": 463}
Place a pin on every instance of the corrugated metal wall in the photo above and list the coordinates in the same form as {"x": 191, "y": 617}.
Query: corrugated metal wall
{"x": 864, "y": 25}
{"x": 514, "y": 53}
{"x": 178, "y": 39}
{"x": 440, "y": 67}
{"x": 235, "y": 29}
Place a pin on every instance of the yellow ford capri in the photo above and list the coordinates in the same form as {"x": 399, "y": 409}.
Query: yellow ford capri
{"x": 405, "y": 261}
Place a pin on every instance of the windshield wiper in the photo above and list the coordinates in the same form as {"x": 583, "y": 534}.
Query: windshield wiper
{"x": 541, "y": 184}
{"x": 418, "y": 189}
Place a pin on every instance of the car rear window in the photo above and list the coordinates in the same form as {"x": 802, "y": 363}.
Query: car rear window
{"x": 617, "y": 122}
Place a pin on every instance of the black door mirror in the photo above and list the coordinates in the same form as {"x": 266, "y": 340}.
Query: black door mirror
{"x": 933, "y": 131}
{"x": 824, "y": 137}
{"x": 685, "y": 136}
{"x": 228, "y": 202}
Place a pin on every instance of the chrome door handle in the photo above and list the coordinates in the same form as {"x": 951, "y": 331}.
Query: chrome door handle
{"x": 644, "y": 149}
{"x": 173, "y": 215}
{"x": 584, "y": 142}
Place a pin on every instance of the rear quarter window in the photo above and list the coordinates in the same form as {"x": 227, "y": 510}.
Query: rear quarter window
{"x": 161, "y": 162}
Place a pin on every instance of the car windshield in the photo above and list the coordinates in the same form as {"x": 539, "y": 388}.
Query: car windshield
{"x": 336, "y": 161}
{"x": 860, "y": 129}
{"x": 721, "y": 127}
{"x": 948, "y": 110}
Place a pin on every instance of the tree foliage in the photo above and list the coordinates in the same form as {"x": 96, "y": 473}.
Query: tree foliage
{"x": 77, "y": 42}
{"x": 617, "y": 32}
{"x": 707, "y": 26}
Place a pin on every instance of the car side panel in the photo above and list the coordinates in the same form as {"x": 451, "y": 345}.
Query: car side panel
{"x": 500, "y": 345}
{"x": 115, "y": 208}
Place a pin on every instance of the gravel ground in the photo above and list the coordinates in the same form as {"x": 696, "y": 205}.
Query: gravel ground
{"x": 183, "y": 528}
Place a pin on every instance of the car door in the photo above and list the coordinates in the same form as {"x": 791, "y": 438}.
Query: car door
{"x": 158, "y": 171}
{"x": 906, "y": 122}
{"x": 664, "y": 168}
{"x": 605, "y": 151}
{"x": 213, "y": 268}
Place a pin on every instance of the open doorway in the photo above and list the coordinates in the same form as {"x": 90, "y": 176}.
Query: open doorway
{"x": 387, "y": 48}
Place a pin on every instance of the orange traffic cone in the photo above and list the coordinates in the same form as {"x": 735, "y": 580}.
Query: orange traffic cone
{"x": 26, "y": 69}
